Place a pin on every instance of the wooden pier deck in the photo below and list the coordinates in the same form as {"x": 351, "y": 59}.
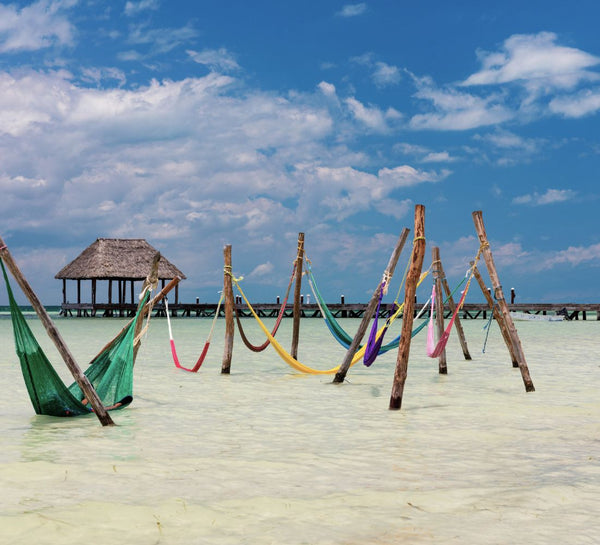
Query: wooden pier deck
{"x": 576, "y": 311}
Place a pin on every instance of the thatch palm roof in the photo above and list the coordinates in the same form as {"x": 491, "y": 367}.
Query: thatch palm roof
{"x": 117, "y": 258}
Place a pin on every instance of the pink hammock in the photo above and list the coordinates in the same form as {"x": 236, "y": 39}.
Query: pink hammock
{"x": 435, "y": 350}
{"x": 206, "y": 344}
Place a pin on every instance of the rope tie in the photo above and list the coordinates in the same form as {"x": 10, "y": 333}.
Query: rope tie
{"x": 418, "y": 238}
{"x": 227, "y": 270}
{"x": 385, "y": 281}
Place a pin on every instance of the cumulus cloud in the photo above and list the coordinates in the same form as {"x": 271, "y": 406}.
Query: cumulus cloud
{"x": 584, "y": 103}
{"x": 551, "y": 196}
{"x": 37, "y": 26}
{"x": 187, "y": 163}
{"x": 535, "y": 58}
{"x": 262, "y": 270}
{"x": 328, "y": 89}
{"x": 372, "y": 117}
{"x": 456, "y": 110}
{"x": 573, "y": 255}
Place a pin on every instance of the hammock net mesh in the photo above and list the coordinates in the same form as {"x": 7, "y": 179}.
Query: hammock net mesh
{"x": 110, "y": 373}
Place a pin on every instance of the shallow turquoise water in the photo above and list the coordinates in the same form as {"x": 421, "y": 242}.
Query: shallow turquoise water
{"x": 268, "y": 456}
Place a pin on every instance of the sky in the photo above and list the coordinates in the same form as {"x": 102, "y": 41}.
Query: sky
{"x": 199, "y": 124}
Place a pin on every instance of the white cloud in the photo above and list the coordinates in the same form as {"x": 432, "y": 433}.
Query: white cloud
{"x": 454, "y": 110}
{"x": 159, "y": 41}
{"x": 573, "y": 255}
{"x": 352, "y": 10}
{"x": 37, "y": 26}
{"x": 189, "y": 163}
{"x": 328, "y": 89}
{"x": 406, "y": 176}
{"x": 262, "y": 270}
{"x": 438, "y": 157}
{"x": 536, "y": 59}
{"x": 385, "y": 74}
{"x": 551, "y": 196}
{"x": 584, "y": 103}
{"x": 372, "y": 117}
{"x": 215, "y": 59}
{"x": 133, "y": 8}
{"x": 394, "y": 209}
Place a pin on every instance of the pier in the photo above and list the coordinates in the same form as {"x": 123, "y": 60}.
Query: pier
{"x": 470, "y": 311}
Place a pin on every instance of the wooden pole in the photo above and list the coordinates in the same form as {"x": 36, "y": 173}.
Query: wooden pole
{"x": 297, "y": 297}
{"x": 452, "y": 306}
{"x": 150, "y": 283}
{"x": 439, "y": 307}
{"x": 228, "y": 303}
{"x": 362, "y": 328}
{"x": 147, "y": 308}
{"x": 86, "y": 387}
{"x": 502, "y": 305}
{"x": 496, "y": 314}
{"x": 410, "y": 289}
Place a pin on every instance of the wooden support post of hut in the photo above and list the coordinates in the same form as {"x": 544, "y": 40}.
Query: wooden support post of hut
{"x": 439, "y": 307}
{"x": 501, "y": 301}
{"x": 410, "y": 288}
{"x": 81, "y": 379}
{"x": 297, "y": 297}
{"x": 362, "y": 328}
{"x": 229, "y": 311}
{"x": 496, "y": 314}
{"x": 452, "y": 306}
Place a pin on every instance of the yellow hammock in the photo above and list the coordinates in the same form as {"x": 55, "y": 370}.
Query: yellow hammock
{"x": 294, "y": 363}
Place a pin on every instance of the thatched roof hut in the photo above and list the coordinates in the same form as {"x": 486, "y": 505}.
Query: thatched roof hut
{"x": 117, "y": 259}
{"x": 113, "y": 259}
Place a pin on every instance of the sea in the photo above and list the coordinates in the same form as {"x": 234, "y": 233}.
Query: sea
{"x": 266, "y": 455}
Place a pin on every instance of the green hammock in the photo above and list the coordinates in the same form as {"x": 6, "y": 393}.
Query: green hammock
{"x": 110, "y": 373}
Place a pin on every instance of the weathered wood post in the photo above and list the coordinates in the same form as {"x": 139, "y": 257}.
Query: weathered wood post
{"x": 150, "y": 283}
{"x": 439, "y": 307}
{"x": 496, "y": 314}
{"x": 228, "y": 303}
{"x": 502, "y": 305}
{"x": 410, "y": 289}
{"x": 297, "y": 297}
{"x": 82, "y": 380}
{"x": 452, "y": 306}
{"x": 147, "y": 308}
{"x": 362, "y": 328}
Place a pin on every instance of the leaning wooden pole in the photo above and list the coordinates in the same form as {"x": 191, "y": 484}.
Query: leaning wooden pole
{"x": 362, "y": 328}
{"x": 452, "y": 306}
{"x": 86, "y": 387}
{"x": 502, "y": 305}
{"x": 228, "y": 304}
{"x": 147, "y": 308}
{"x": 410, "y": 289}
{"x": 150, "y": 283}
{"x": 297, "y": 297}
{"x": 439, "y": 306}
{"x": 496, "y": 314}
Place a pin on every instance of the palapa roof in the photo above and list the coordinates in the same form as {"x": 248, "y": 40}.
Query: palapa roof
{"x": 117, "y": 258}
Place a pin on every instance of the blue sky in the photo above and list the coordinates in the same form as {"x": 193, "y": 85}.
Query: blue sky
{"x": 195, "y": 125}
